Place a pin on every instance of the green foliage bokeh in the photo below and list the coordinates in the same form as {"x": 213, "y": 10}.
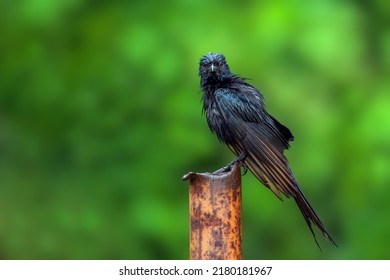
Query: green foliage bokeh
{"x": 100, "y": 116}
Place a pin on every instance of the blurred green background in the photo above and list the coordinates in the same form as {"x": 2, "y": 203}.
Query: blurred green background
{"x": 100, "y": 116}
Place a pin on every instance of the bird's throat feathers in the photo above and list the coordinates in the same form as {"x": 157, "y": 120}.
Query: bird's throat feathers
{"x": 211, "y": 83}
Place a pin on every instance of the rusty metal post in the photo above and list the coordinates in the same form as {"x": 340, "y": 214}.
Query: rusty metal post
{"x": 215, "y": 215}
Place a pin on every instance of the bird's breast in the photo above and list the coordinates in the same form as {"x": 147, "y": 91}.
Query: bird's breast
{"x": 221, "y": 123}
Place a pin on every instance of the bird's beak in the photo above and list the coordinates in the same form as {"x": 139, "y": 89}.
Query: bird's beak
{"x": 212, "y": 68}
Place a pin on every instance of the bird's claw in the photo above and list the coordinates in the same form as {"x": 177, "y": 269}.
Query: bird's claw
{"x": 240, "y": 159}
{"x": 245, "y": 167}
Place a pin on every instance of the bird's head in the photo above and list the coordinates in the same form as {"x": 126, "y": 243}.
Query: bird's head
{"x": 213, "y": 65}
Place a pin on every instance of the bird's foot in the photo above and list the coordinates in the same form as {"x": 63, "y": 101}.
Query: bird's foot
{"x": 227, "y": 168}
{"x": 243, "y": 165}
{"x": 224, "y": 169}
{"x": 241, "y": 158}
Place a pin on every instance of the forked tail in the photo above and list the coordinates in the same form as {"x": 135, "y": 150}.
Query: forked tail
{"x": 311, "y": 217}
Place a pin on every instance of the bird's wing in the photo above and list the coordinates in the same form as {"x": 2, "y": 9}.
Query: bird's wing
{"x": 266, "y": 162}
{"x": 247, "y": 106}
{"x": 261, "y": 136}
{"x": 264, "y": 140}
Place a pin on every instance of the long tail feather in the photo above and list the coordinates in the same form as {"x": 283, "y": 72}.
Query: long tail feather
{"x": 311, "y": 217}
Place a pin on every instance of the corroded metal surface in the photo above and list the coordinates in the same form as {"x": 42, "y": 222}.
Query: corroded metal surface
{"x": 215, "y": 215}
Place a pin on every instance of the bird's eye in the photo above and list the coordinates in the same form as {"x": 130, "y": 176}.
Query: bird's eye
{"x": 219, "y": 63}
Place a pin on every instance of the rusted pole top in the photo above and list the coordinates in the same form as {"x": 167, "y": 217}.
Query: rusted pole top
{"x": 215, "y": 215}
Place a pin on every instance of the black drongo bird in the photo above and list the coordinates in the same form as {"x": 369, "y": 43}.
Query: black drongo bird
{"x": 236, "y": 113}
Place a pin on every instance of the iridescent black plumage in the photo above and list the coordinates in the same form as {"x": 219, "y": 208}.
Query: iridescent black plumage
{"x": 235, "y": 111}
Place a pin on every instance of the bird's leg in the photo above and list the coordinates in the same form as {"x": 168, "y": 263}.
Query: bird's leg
{"x": 240, "y": 158}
